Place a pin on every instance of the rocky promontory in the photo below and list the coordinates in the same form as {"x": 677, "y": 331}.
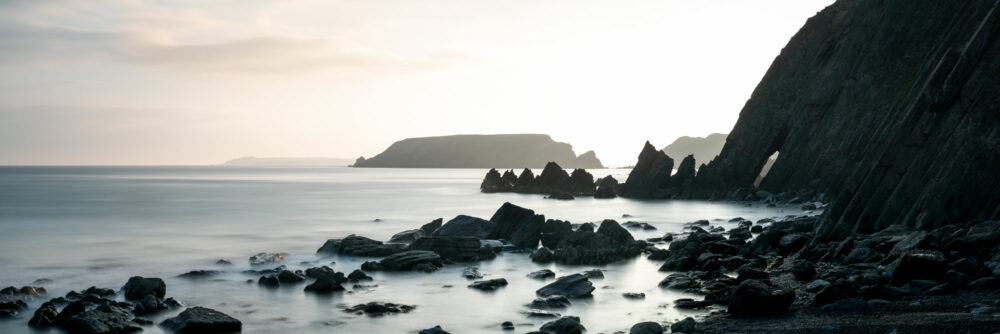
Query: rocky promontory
{"x": 480, "y": 151}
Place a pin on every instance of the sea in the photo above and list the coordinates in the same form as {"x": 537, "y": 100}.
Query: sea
{"x": 77, "y": 227}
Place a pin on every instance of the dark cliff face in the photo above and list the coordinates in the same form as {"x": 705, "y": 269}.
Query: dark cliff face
{"x": 480, "y": 151}
{"x": 891, "y": 106}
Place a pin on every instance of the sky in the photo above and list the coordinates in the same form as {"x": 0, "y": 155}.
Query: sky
{"x": 130, "y": 82}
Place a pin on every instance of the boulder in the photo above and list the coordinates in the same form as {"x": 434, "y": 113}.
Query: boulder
{"x": 318, "y": 271}
{"x": 489, "y": 285}
{"x": 803, "y": 270}
{"x": 410, "y": 259}
{"x": 407, "y": 236}
{"x": 520, "y": 226}
{"x": 459, "y": 249}
{"x": 270, "y": 281}
{"x": 358, "y": 275}
{"x": 327, "y": 283}
{"x": 429, "y": 228}
{"x": 139, "y": 287}
{"x": 687, "y": 325}
{"x": 105, "y": 319}
{"x": 564, "y": 325}
{"x": 754, "y": 298}
{"x": 202, "y": 320}
{"x": 572, "y": 286}
{"x": 465, "y": 226}
{"x": 555, "y": 301}
{"x": 919, "y": 264}
{"x": 541, "y": 274}
{"x": 647, "y": 327}
{"x": 606, "y": 188}
{"x": 360, "y": 246}
{"x": 287, "y": 277}
{"x": 472, "y": 273}
{"x": 634, "y": 295}
{"x": 45, "y": 315}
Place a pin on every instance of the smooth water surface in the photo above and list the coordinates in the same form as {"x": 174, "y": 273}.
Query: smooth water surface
{"x": 85, "y": 226}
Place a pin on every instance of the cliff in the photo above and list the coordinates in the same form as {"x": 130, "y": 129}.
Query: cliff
{"x": 891, "y": 106}
{"x": 704, "y": 149}
{"x": 480, "y": 151}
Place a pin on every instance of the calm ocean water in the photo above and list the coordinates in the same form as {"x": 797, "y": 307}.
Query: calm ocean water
{"x": 85, "y": 226}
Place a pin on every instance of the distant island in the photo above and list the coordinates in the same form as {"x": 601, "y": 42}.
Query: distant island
{"x": 704, "y": 148}
{"x": 278, "y": 162}
{"x": 480, "y": 151}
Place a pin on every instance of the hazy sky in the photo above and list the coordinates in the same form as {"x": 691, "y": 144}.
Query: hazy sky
{"x": 201, "y": 82}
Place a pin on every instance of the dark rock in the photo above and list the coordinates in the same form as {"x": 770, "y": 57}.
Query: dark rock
{"x": 149, "y": 305}
{"x": 651, "y": 173}
{"x": 839, "y": 289}
{"x": 684, "y": 326}
{"x": 565, "y": 325}
{"x": 45, "y": 316}
{"x": 465, "y": 226}
{"x": 106, "y": 319}
{"x": 658, "y": 255}
{"x": 270, "y": 281}
{"x": 580, "y": 182}
{"x": 684, "y": 253}
{"x": 555, "y": 301}
{"x": 647, "y": 327}
{"x": 377, "y": 309}
{"x": 756, "y": 298}
{"x": 460, "y": 249}
{"x": 360, "y": 246}
{"x": 272, "y": 271}
{"x": 540, "y": 314}
{"x": 223, "y": 262}
{"x": 287, "y": 277}
{"x": 410, "y": 259}
{"x": 792, "y": 243}
{"x": 985, "y": 283}
{"x": 561, "y": 196}
{"x": 610, "y": 243}
{"x": 634, "y": 295}
{"x": 541, "y": 274}
{"x": 507, "y": 326}
{"x": 489, "y": 285}
{"x": 639, "y": 225}
{"x": 553, "y": 179}
{"x": 358, "y": 275}
{"x": 494, "y": 183}
{"x": 472, "y": 273}
{"x": 434, "y": 330}
{"x": 542, "y": 255}
{"x": 572, "y": 286}
{"x": 919, "y": 264}
{"x": 594, "y": 274}
{"x": 266, "y": 258}
{"x": 803, "y": 270}
{"x": 319, "y": 271}
{"x": 756, "y": 229}
{"x": 429, "y": 228}
{"x": 525, "y": 182}
{"x": 846, "y": 305}
{"x": 194, "y": 274}
{"x": 688, "y": 303}
{"x": 327, "y": 283}
{"x": 606, "y": 188}
{"x": 520, "y": 226}
{"x": 678, "y": 281}
{"x": 202, "y": 320}
{"x": 407, "y": 236}
{"x": 138, "y": 287}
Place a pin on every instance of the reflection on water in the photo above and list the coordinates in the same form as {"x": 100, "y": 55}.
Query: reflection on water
{"x": 83, "y": 226}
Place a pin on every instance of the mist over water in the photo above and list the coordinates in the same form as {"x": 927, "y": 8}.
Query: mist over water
{"x": 84, "y": 226}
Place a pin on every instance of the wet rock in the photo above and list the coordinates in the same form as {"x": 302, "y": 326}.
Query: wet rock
{"x": 594, "y": 274}
{"x": 647, "y": 327}
{"x": 507, "y": 326}
{"x": 520, "y": 226}
{"x": 105, "y": 319}
{"x": 12, "y": 308}
{"x": 541, "y": 274}
{"x": 45, "y": 315}
{"x": 678, "y": 281}
{"x": 634, "y": 295}
{"x": 756, "y": 298}
{"x": 327, "y": 283}
{"x": 688, "y": 303}
{"x": 465, "y": 226}
{"x": 639, "y": 225}
{"x": 687, "y": 325}
{"x": 572, "y": 286}
{"x": 139, "y": 287}
{"x": 151, "y": 304}
{"x": 565, "y": 325}
{"x": 550, "y": 302}
{"x": 606, "y": 188}
{"x": 609, "y": 243}
{"x": 195, "y": 274}
{"x": 407, "y": 236}
{"x": 651, "y": 173}
{"x": 272, "y": 271}
{"x": 377, "y": 309}
{"x": 684, "y": 253}
{"x": 471, "y": 273}
{"x": 561, "y": 196}
{"x": 542, "y": 255}
{"x": 756, "y": 229}
{"x": 358, "y": 275}
{"x": 792, "y": 243}
{"x": 315, "y": 272}
{"x": 919, "y": 264}
{"x": 459, "y": 249}
{"x": 202, "y": 320}
{"x": 266, "y": 258}
{"x": 429, "y": 228}
{"x": 433, "y": 330}
{"x": 270, "y": 281}
{"x": 360, "y": 246}
{"x": 658, "y": 255}
{"x": 289, "y": 277}
{"x": 489, "y": 285}
{"x": 412, "y": 260}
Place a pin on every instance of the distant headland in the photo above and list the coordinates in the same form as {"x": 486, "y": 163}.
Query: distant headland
{"x": 480, "y": 151}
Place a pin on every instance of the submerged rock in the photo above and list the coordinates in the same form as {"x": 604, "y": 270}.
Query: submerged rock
{"x": 412, "y": 260}
{"x": 266, "y": 258}
{"x": 434, "y": 330}
{"x": 105, "y": 319}
{"x": 489, "y": 285}
{"x": 541, "y": 274}
{"x": 647, "y": 327}
{"x": 202, "y": 320}
{"x": 565, "y": 325}
{"x": 377, "y": 309}
{"x": 472, "y": 273}
{"x": 554, "y": 301}
{"x": 327, "y": 283}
